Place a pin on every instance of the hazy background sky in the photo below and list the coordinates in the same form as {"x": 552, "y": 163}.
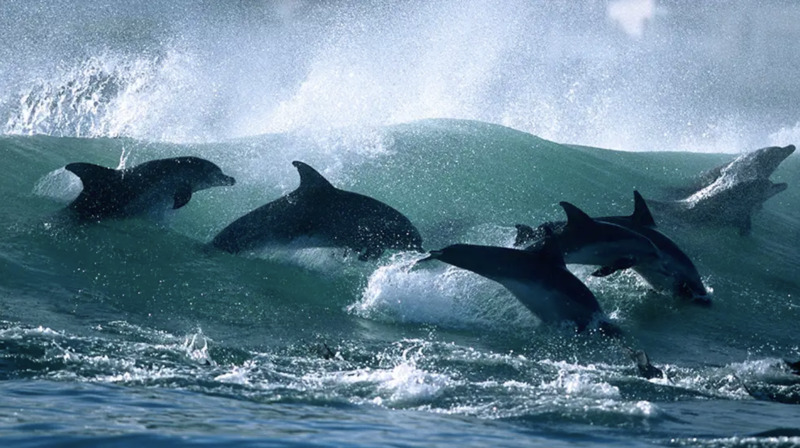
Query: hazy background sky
{"x": 627, "y": 74}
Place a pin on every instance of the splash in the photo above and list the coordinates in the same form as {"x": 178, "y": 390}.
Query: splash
{"x": 627, "y": 74}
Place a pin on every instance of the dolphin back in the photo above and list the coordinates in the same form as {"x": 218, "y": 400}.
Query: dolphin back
{"x": 98, "y": 197}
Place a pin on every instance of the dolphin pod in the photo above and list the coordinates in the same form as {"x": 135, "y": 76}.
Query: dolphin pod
{"x": 319, "y": 214}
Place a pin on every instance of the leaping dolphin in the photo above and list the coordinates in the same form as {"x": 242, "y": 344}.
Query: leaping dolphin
{"x": 729, "y": 194}
{"x": 149, "y": 188}
{"x": 672, "y": 272}
{"x": 538, "y": 278}
{"x": 589, "y": 241}
{"x": 319, "y": 214}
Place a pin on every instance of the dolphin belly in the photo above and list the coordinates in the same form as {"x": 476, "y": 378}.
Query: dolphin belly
{"x": 549, "y": 305}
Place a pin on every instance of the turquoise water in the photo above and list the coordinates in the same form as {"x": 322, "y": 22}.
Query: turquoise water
{"x": 134, "y": 332}
{"x": 131, "y": 332}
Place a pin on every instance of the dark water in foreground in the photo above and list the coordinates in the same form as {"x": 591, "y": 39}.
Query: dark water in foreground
{"x": 132, "y": 333}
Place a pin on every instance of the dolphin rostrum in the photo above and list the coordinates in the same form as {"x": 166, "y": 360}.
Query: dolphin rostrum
{"x": 149, "y": 188}
{"x": 319, "y": 214}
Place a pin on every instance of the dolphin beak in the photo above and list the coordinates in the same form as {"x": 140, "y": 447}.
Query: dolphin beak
{"x": 228, "y": 180}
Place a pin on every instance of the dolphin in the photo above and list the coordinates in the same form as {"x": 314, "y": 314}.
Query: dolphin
{"x": 672, "y": 272}
{"x": 729, "y": 194}
{"x": 537, "y": 277}
{"x": 584, "y": 240}
{"x": 319, "y": 214}
{"x": 150, "y": 188}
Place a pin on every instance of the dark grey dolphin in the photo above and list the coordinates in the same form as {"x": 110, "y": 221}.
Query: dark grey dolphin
{"x": 672, "y": 272}
{"x": 150, "y": 188}
{"x": 323, "y": 216}
{"x": 729, "y": 194}
{"x": 584, "y": 240}
{"x": 538, "y": 278}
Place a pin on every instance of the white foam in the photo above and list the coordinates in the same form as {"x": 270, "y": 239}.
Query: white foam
{"x": 60, "y": 185}
{"x": 441, "y": 295}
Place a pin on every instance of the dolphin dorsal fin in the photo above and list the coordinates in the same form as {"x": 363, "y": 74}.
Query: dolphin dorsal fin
{"x": 310, "y": 178}
{"x": 575, "y": 216}
{"x": 93, "y": 177}
{"x": 641, "y": 213}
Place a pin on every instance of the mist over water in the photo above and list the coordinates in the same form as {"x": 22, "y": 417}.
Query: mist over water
{"x": 624, "y": 74}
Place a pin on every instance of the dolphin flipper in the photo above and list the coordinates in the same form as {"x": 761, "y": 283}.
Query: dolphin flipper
{"x": 183, "y": 194}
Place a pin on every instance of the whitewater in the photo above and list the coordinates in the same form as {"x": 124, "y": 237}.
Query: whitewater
{"x": 468, "y": 117}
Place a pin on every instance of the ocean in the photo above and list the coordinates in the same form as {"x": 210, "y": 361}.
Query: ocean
{"x": 132, "y": 332}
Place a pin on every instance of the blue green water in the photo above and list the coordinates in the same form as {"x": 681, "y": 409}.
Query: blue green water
{"x": 131, "y": 332}
{"x": 469, "y": 117}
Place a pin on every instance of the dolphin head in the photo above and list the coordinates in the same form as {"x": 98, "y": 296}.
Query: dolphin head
{"x": 759, "y": 164}
{"x": 768, "y": 159}
{"x": 203, "y": 174}
{"x": 694, "y": 292}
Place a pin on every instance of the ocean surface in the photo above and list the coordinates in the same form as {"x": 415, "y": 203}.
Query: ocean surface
{"x": 131, "y": 332}
{"x": 467, "y": 117}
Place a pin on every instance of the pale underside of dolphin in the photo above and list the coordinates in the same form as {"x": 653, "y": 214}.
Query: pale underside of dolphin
{"x": 319, "y": 214}
{"x": 148, "y": 189}
{"x": 538, "y": 278}
{"x": 729, "y": 194}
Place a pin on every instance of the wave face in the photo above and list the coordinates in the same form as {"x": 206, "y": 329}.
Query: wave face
{"x": 143, "y": 318}
{"x": 626, "y": 74}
